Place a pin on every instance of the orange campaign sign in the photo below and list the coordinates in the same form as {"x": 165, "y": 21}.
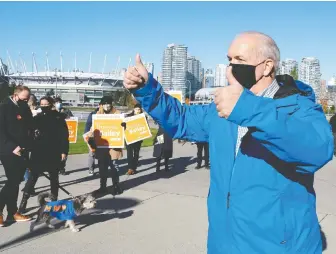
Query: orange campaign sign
{"x": 176, "y": 94}
{"x": 136, "y": 129}
{"x": 108, "y": 132}
{"x": 72, "y": 124}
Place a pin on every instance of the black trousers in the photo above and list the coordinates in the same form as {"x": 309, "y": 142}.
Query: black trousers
{"x": 158, "y": 162}
{"x": 133, "y": 151}
{"x": 200, "y": 148}
{"x": 104, "y": 173}
{"x": 33, "y": 177}
{"x": 15, "y": 168}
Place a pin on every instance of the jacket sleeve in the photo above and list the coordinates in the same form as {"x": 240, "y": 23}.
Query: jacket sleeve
{"x": 8, "y": 144}
{"x": 88, "y": 124}
{"x": 180, "y": 122}
{"x": 302, "y": 137}
{"x": 64, "y": 137}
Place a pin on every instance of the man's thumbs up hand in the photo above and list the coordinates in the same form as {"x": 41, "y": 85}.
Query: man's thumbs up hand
{"x": 227, "y": 97}
{"x": 136, "y": 76}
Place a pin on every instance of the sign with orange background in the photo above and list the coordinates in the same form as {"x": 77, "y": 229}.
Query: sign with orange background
{"x": 136, "y": 129}
{"x": 72, "y": 124}
{"x": 175, "y": 94}
{"x": 107, "y": 130}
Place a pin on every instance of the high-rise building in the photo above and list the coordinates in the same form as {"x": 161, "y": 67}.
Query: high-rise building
{"x": 220, "y": 79}
{"x": 323, "y": 90}
{"x": 159, "y": 77}
{"x": 193, "y": 75}
{"x": 209, "y": 78}
{"x": 149, "y": 67}
{"x": 202, "y": 78}
{"x": 174, "y": 68}
{"x": 287, "y": 66}
{"x": 309, "y": 73}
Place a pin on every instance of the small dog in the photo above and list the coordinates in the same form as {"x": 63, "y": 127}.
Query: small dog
{"x": 64, "y": 210}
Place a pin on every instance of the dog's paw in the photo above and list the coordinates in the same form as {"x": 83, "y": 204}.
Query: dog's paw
{"x": 51, "y": 226}
{"x": 75, "y": 230}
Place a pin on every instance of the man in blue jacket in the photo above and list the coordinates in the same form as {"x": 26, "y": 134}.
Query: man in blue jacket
{"x": 267, "y": 138}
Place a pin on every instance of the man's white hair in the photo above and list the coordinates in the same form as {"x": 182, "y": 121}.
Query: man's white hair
{"x": 268, "y": 48}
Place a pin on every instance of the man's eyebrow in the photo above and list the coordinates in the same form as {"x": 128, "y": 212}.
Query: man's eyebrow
{"x": 236, "y": 57}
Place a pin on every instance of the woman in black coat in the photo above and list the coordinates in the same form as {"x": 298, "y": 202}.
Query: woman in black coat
{"x": 50, "y": 148}
{"x": 163, "y": 148}
{"x": 133, "y": 150}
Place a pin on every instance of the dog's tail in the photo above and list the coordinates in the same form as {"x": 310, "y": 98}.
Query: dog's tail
{"x": 42, "y": 198}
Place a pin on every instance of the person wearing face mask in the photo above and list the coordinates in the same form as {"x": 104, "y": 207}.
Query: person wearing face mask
{"x": 15, "y": 142}
{"x": 59, "y": 107}
{"x": 267, "y": 137}
{"x": 49, "y": 150}
{"x": 66, "y": 114}
{"x": 91, "y": 155}
{"x": 108, "y": 157}
{"x": 133, "y": 150}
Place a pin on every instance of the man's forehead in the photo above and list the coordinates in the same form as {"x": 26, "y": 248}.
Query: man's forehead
{"x": 243, "y": 46}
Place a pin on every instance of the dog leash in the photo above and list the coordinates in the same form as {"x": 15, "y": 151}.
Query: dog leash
{"x": 59, "y": 186}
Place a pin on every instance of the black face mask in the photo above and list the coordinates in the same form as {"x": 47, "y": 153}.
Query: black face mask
{"x": 46, "y": 109}
{"x": 245, "y": 74}
{"x": 22, "y": 103}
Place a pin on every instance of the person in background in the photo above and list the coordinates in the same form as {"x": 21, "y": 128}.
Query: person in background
{"x": 332, "y": 122}
{"x": 163, "y": 149}
{"x": 15, "y": 142}
{"x": 32, "y": 104}
{"x": 133, "y": 150}
{"x": 67, "y": 114}
{"x": 50, "y": 148}
{"x": 200, "y": 147}
{"x": 107, "y": 157}
{"x": 92, "y": 156}
{"x": 59, "y": 107}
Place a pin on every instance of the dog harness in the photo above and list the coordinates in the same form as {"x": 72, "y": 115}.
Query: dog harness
{"x": 62, "y": 209}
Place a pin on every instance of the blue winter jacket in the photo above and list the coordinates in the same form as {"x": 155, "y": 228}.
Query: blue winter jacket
{"x": 263, "y": 200}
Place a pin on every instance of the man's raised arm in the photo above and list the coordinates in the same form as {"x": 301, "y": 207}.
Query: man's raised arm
{"x": 183, "y": 122}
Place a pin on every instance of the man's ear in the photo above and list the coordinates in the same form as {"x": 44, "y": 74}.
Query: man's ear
{"x": 269, "y": 67}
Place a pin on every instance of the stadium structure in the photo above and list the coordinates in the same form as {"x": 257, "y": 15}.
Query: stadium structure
{"x": 75, "y": 87}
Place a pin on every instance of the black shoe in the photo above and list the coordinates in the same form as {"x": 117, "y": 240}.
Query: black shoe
{"x": 62, "y": 172}
{"x": 116, "y": 190}
{"x": 198, "y": 167}
{"x": 207, "y": 166}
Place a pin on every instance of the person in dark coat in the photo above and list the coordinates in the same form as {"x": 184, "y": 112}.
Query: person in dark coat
{"x": 333, "y": 128}
{"x": 50, "y": 148}
{"x": 15, "y": 142}
{"x": 92, "y": 156}
{"x": 200, "y": 147}
{"x": 133, "y": 150}
{"x": 163, "y": 149}
{"x": 67, "y": 114}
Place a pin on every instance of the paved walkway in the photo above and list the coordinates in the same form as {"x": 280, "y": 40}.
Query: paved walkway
{"x": 158, "y": 213}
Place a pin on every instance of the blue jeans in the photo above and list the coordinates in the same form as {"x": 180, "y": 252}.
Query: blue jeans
{"x": 26, "y": 175}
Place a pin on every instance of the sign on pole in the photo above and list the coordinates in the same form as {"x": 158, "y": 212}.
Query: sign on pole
{"x": 176, "y": 94}
{"x": 137, "y": 129}
{"x": 108, "y": 132}
{"x": 72, "y": 124}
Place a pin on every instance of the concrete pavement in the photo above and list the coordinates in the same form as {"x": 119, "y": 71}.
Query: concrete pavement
{"x": 158, "y": 213}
